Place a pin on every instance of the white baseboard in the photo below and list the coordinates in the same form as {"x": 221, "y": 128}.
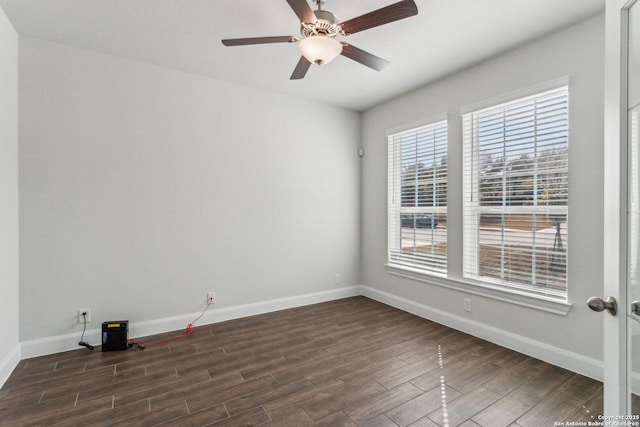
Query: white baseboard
{"x": 554, "y": 355}
{"x": 9, "y": 363}
{"x": 557, "y": 356}
{"x": 60, "y": 343}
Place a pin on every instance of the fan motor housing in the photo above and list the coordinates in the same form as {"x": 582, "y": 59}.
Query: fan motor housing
{"x": 327, "y": 24}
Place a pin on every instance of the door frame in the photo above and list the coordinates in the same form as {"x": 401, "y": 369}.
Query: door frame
{"x": 616, "y": 396}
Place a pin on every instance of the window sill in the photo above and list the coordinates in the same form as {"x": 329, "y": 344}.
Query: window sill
{"x": 537, "y": 302}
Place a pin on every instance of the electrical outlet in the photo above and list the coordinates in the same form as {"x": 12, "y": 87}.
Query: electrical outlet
{"x": 467, "y": 304}
{"x": 211, "y": 297}
{"x": 338, "y": 279}
{"x": 82, "y": 311}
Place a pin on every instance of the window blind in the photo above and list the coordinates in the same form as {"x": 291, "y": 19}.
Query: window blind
{"x": 516, "y": 193}
{"x": 417, "y": 198}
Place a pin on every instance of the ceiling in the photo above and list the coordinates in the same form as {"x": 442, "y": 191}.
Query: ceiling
{"x": 445, "y": 36}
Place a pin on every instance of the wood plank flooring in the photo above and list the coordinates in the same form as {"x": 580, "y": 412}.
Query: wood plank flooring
{"x": 342, "y": 363}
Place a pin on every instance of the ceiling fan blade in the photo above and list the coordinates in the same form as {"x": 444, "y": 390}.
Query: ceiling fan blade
{"x": 365, "y": 58}
{"x": 391, "y": 13}
{"x": 303, "y": 11}
{"x": 301, "y": 69}
{"x": 259, "y": 40}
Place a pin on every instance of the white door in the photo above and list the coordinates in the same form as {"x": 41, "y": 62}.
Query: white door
{"x": 633, "y": 205}
{"x": 622, "y": 212}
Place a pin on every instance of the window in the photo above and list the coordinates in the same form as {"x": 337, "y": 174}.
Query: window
{"x": 516, "y": 194}
{"x": 417, "y": 198}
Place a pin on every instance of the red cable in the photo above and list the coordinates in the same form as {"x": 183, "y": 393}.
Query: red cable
{"x": 188, "y": 331}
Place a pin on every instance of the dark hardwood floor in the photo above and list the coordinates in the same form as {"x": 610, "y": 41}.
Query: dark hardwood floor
{"x": 347, "y": 362}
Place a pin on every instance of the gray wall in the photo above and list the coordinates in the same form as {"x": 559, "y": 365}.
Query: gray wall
{"x": 577, "y": 52}
{"x": 142, "y": 188}
{"x": 9, "y": 267}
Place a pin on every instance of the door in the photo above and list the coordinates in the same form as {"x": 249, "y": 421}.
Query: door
{"x": 633, "y": 203}
{"x": 622, "y": 212}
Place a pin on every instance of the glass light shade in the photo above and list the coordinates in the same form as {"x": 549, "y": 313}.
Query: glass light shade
{"x": 319, "y": 49}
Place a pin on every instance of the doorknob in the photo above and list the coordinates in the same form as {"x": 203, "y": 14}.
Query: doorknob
{"x": 609, "y": 304}
{"x": 635, "y": 307}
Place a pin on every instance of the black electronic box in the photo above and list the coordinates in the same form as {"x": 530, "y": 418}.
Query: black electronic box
{"x": 115, "y": 335}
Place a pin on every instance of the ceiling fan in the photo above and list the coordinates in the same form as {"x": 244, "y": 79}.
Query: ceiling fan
{"x": 320, "y": 28}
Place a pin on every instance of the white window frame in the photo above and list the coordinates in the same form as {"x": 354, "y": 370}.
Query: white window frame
{"x": 430, "y": 265}
{"x": 472, "y": 208}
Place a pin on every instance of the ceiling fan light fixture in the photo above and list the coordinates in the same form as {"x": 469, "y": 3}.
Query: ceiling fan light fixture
{"x": 319, "y": 29}
{"x": 319, "y": 49}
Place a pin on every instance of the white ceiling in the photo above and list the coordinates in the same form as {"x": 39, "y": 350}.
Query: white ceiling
{"x": 445, "y": 36}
